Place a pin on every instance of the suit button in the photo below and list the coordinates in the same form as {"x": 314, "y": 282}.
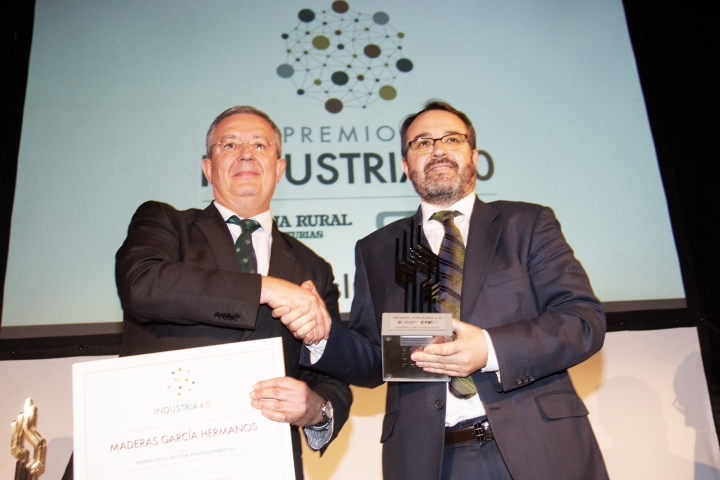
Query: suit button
{"x": 532, "y": 379}
{"x": 236, "y": 317}
{"x": 439, "y": 404}
{"x": 518, "y": 381}
{"x": 217, "y": 315}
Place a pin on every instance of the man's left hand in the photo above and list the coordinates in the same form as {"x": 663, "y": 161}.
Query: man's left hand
{"x": 460, "y": 358}
{"x": 285, "y": 399}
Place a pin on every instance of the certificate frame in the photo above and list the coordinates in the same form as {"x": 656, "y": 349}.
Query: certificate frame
{"x": 180, "y": 414}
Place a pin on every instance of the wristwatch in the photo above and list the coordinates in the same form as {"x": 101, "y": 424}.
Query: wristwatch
{"x": 327, "y": 413}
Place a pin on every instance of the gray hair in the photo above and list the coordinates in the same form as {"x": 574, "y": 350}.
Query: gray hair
{"x": 242, "y": 109}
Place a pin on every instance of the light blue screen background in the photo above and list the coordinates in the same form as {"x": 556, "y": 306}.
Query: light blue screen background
{"x": 120, "y": 95}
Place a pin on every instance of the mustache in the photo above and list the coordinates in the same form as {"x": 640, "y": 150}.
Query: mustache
{"x": 432, "y": 163}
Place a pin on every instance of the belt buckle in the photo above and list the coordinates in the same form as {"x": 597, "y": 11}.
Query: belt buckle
{"x": 480, "y": 430}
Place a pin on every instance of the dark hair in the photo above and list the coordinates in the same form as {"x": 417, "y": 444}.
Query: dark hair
{"x": 435, "y": 104}
{"x": 242, "y": 109}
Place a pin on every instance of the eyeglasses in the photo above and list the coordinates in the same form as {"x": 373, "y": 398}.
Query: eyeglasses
{"x": 231, "y": 146}
{"x": 422, "y": 145}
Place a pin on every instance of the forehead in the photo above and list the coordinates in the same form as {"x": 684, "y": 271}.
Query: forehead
{"x": 244, "y": 124}
{"x": 435, "y": 123}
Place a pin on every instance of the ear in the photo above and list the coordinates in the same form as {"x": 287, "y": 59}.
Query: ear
{"x": 280, "y": 169}
{"x": 207, "y": 169}
{"x": 404, "y": 165}
{"x": 474, "y": 157}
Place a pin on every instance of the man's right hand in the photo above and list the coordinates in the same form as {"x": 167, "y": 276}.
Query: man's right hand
{"x": 310, "y": 320}
{"x": 460, "y": 358}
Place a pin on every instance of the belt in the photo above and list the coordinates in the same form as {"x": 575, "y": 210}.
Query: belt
{"x": 480, "y": 432}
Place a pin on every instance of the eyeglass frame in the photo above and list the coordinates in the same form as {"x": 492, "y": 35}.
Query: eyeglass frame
{"x": 222, "y": 152}
{"x": 408, "y": 147}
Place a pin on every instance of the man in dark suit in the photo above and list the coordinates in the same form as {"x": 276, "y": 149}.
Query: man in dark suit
{"x": 206, "y": 277}
{"x": 523, "y": 313}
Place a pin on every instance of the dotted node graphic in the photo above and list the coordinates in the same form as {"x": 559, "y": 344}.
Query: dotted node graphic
{"x": 344, "y": 58}
{"x": 180, "y": 382}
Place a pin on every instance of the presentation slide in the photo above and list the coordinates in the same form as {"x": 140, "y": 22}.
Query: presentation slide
{"x": 120, "y": 96}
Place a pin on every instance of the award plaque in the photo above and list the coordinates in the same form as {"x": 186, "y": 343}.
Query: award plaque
{"x": 417, "y": 271}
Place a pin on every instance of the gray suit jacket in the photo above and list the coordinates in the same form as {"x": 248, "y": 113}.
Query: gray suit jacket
{"x": 523, "y": 284}
{"x": 180, "y": 286}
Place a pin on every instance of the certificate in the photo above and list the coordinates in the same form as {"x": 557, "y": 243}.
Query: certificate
{"x": 181, "y": 414}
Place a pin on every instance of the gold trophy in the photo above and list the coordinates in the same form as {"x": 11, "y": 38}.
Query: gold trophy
{"x": 24, "y": 429}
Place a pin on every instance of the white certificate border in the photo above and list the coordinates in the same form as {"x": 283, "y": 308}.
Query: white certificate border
{"x": 81, "y": 370}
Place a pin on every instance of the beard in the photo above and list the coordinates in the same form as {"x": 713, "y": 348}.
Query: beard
{"x": 444, "y": 189}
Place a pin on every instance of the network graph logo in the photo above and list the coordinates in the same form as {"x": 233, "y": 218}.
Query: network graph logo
{"x": 344, "y": 58}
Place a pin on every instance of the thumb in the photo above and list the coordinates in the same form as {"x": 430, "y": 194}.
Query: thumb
{"x": 458, "y": 325}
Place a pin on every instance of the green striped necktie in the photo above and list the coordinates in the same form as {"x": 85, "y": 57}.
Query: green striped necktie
{"x": 243, "y": 244}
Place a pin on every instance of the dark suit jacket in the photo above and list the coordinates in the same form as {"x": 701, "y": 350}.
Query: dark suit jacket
{"x": 522, "y": 283}
{"x": 180, "y": 286}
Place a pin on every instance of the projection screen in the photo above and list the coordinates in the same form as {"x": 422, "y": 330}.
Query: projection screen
{"x": 120, "y": 95}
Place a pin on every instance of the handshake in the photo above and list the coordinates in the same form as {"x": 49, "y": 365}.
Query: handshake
{"x": 300, "y": 308}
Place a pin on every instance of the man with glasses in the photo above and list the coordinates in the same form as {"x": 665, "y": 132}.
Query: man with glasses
{"x": 523, "y": 313}
{"x": 205, "y": 277}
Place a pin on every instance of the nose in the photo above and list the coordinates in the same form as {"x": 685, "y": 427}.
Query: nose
{"x": 246, "y": 152}
{"x": 439, "y": 148}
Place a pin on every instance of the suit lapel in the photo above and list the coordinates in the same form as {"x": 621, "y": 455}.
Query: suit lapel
{"x": 215, "y": 230}
{"x": 212, "y": 226}
{"x": 282, "y": 257}
{"x": 482, "y": 242}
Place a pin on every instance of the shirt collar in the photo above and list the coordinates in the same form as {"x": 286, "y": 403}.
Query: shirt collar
{"x": 464, "y": 206}
{"x": 265, "y": 219}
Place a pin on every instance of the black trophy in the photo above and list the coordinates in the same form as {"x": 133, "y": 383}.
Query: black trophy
{"x": 412, "y": 264}
{"x": 417, "y": 271}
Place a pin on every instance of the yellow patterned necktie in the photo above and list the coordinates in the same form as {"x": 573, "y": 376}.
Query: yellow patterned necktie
{"x": 452, "y": 260}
